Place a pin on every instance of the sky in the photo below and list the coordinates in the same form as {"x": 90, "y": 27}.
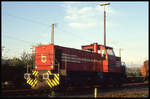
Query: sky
{"x": 25, "y": 24}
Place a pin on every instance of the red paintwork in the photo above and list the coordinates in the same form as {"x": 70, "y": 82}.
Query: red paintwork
{"x": 45, "y": 53}
{"x": 77, "y": 60}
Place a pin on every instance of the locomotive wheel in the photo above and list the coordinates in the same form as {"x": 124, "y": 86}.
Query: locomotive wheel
{"x": 117, "y": 84}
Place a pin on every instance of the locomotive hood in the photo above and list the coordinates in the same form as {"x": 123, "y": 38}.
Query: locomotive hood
{"x": 44, "y": 57}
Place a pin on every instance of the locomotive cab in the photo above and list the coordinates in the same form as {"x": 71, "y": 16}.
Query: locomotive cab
{"x": 111, "y": 69}
{"x": 111, "y": 63}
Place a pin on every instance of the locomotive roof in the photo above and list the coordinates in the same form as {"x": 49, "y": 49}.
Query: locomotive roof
{"x": 75, "y": 48}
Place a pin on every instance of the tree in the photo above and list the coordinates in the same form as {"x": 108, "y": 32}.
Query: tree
{"x": 38, "y": 44}
{"x": 16, "y": 62}
{"x": 27, "y": 58}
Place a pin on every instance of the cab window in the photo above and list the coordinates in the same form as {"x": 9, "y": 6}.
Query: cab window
{"x": 110, "y": 51}
{"x": 103, "y": 53}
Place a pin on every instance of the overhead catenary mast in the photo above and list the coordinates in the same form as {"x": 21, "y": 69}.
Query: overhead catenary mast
{"x": 104, "y": 4}
{"x": 52, "y": 34}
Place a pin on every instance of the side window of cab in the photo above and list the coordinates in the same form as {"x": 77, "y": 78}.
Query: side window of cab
{"x": 103, "y": 53}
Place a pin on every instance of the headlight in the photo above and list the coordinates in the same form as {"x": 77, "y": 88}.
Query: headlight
{"x": 52, "y": 66}
{"x": 45, "y": 76}
{"x": 27, "y": 76}
{"x": 6, "y": 83}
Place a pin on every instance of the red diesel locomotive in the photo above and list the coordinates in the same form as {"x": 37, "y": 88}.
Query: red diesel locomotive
{"x": 57, "y": 66}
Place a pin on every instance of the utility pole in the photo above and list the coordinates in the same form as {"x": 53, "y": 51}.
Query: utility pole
{"x": 52, "y": 34}
{"x": 120, "y": 49}
{"x": 52, "y": 41}
{"x": 32, "y": 56}
{"x": 104, "y": 4}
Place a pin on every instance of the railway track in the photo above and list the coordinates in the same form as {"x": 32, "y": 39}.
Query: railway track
{"x": 102, "y": 91}
{"x": 24, "y": 93}
{"x": 69, "y": 92}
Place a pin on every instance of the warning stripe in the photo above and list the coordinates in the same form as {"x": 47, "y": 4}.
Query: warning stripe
{"x": 30, "y": 82}
{"x": 58, "y": 74}
{"x": 55, "y": 76}
{"x": 35, "y": 83}
{"x": 49, "y": 83}
{"x": 52, "y": 83}
{"x": 50, "y": 72}
{"x": 33, "y": 72}
{"x": 56, "y": 81}
{"x": 36, "y": 73}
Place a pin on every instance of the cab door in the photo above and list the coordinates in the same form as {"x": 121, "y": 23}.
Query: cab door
{"x": 104, "y": 55}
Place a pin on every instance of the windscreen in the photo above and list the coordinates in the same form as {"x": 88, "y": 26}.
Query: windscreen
{"x": 110, "y": 51}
